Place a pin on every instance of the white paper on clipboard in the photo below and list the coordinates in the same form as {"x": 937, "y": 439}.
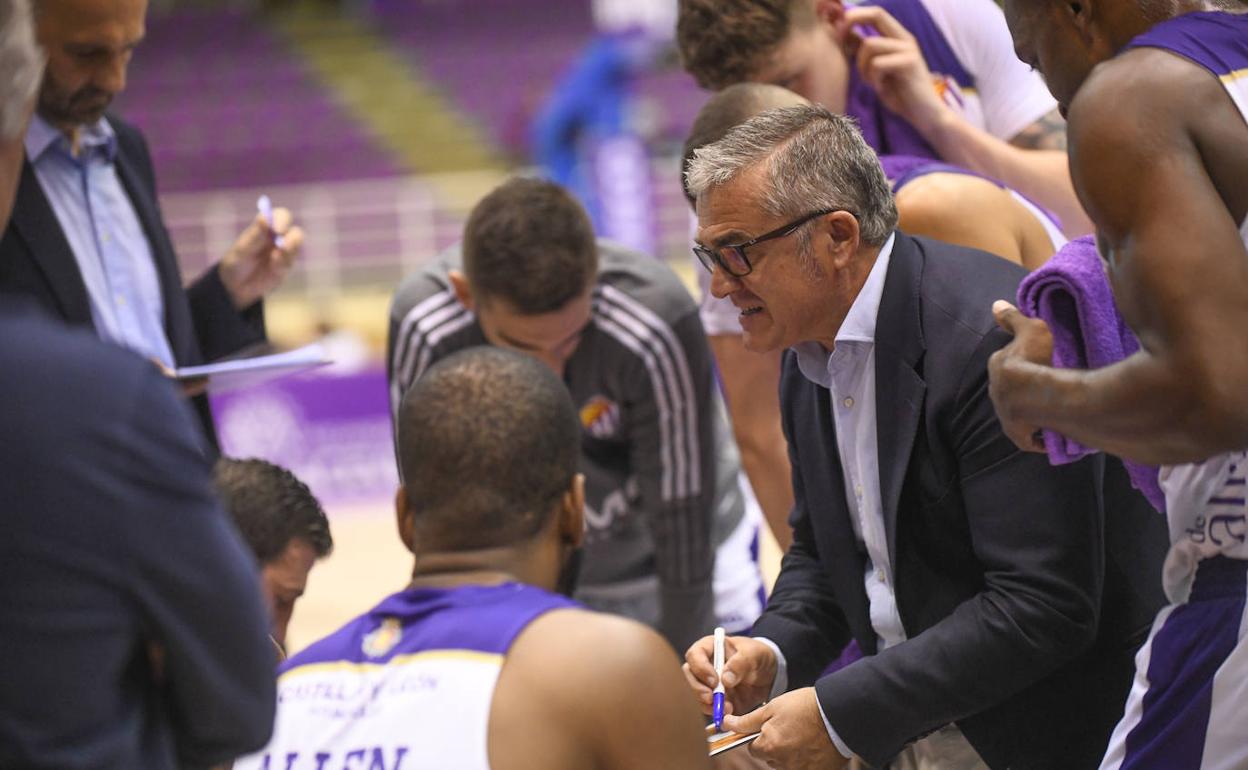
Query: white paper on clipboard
{"x": 238, "y": 373}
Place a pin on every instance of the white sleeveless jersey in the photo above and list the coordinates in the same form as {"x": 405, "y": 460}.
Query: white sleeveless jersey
{"x": 1205, "y": 502}
{"x": 407, "y": 686}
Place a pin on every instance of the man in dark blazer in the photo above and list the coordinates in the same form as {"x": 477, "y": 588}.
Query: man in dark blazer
{"x": 973, "y": 576}
{"x": 133, "y": 626}
{"x": 87, "y": 241}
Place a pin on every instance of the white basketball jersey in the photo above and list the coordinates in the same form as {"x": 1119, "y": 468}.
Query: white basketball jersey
{"x": 408, "y": 686}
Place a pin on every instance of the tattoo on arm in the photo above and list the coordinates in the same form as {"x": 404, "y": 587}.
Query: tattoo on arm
{"x": 1047, "y": 133}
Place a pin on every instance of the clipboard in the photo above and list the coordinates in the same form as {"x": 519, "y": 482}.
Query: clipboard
{"x": 718, "y": 743}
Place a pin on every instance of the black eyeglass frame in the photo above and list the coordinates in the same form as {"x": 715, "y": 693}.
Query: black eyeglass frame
{"x": 709, "y": 258}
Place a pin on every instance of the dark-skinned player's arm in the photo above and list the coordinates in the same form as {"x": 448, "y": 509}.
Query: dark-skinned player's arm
{"x": 593, "y": 691}
{"x": 1179, "y": 272}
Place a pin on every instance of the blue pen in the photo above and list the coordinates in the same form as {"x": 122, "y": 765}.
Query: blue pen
{"x": 717, "y": 698}
{"x": 265, "y": 207}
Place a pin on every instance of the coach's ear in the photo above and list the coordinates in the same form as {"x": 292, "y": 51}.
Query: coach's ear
{"x": 836, "y": 239}
{"x": 403, "y": 517}
{"x": 572, "y": 513}
{"x": 459, "y": 285}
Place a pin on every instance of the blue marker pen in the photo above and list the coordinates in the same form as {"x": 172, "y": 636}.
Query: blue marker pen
{"x": 717, "y": 698}
{"x": 265, "y": 207}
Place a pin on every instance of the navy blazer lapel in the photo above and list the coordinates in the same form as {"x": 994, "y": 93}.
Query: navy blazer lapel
{"x": 899, "y": 387}
{"x": 824, "y": 482}
{"x": 36, "y": 223}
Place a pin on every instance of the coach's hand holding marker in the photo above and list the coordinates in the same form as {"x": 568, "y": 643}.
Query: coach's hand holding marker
{"x": 265, "y": 207}
{"x": 259, "y": 260}
{"x": 748, "y": 672}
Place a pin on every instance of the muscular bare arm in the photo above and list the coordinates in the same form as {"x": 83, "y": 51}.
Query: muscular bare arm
{"x": 588, "y": 691}
{"x": 1179, "y": 272}
{"x": 752, "y": 391}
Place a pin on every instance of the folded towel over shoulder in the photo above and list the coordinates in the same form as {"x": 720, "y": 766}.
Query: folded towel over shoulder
{"x": 1071, "y": 294}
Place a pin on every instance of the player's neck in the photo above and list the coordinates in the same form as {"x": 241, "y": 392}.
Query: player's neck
{"x": 492, "y": 566}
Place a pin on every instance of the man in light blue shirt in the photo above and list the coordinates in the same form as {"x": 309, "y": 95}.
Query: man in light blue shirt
{"x": 87, "y": 240}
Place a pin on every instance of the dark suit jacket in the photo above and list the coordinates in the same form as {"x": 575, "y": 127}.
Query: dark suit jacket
{"x": 999, "y": 558}
{"x": 36, "y": 261}
{"x": 114, "y": 540}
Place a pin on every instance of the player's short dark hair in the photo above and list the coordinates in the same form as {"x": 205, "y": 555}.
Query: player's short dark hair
{"x": 725, "y": 111}
{"x": 488, "y": 441}
{"x": 530, "y": 243}
{"x": 271, "y": 507}
{"x": 723, "y": 42}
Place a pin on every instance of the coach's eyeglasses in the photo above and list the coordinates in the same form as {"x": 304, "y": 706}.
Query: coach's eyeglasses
{"x": 732, "y": 258}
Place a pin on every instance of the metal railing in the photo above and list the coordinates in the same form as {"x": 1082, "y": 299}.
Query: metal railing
{"x": 370, "y": 233}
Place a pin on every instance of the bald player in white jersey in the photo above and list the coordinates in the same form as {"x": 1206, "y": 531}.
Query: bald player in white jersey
{"x": 477, "y": 664}
{"x": 934, "y": 199}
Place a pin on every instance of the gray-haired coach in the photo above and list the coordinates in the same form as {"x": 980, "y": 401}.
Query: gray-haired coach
{"x": 971, "y": 574}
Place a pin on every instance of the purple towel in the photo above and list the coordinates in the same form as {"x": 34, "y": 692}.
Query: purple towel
{"x": 1071, "y": 294}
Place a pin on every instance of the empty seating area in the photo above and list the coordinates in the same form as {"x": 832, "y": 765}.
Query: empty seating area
{"x": 225, "y": 103}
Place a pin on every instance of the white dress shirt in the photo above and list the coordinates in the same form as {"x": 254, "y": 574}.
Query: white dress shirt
{"x": 848, "y": 372}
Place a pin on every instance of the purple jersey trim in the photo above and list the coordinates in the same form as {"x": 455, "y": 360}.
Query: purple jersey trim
{"x": 1216, "y": 41}
{"x": 886, "y": 131}
{"x": 1187, "y": 652}
{"x": 904, "y": 169}
{"x": 476, "y": 618}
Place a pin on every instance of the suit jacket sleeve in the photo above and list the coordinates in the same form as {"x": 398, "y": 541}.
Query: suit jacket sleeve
{"x": 221, "y": 328}
{"x": 196, "y": 587}
{"x": 802, "y": 614}
{"x": 1038, "y": 532}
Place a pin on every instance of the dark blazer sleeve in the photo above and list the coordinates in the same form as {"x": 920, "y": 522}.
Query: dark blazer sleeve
{"x": 219, "y": 326}
{"x": 195, "y": 586}
{"x": 1037, "y": 530}
{"x": 802, "y": 615}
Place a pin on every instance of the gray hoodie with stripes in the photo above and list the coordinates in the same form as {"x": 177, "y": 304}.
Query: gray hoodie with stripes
{"x": 660, "y": 465}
